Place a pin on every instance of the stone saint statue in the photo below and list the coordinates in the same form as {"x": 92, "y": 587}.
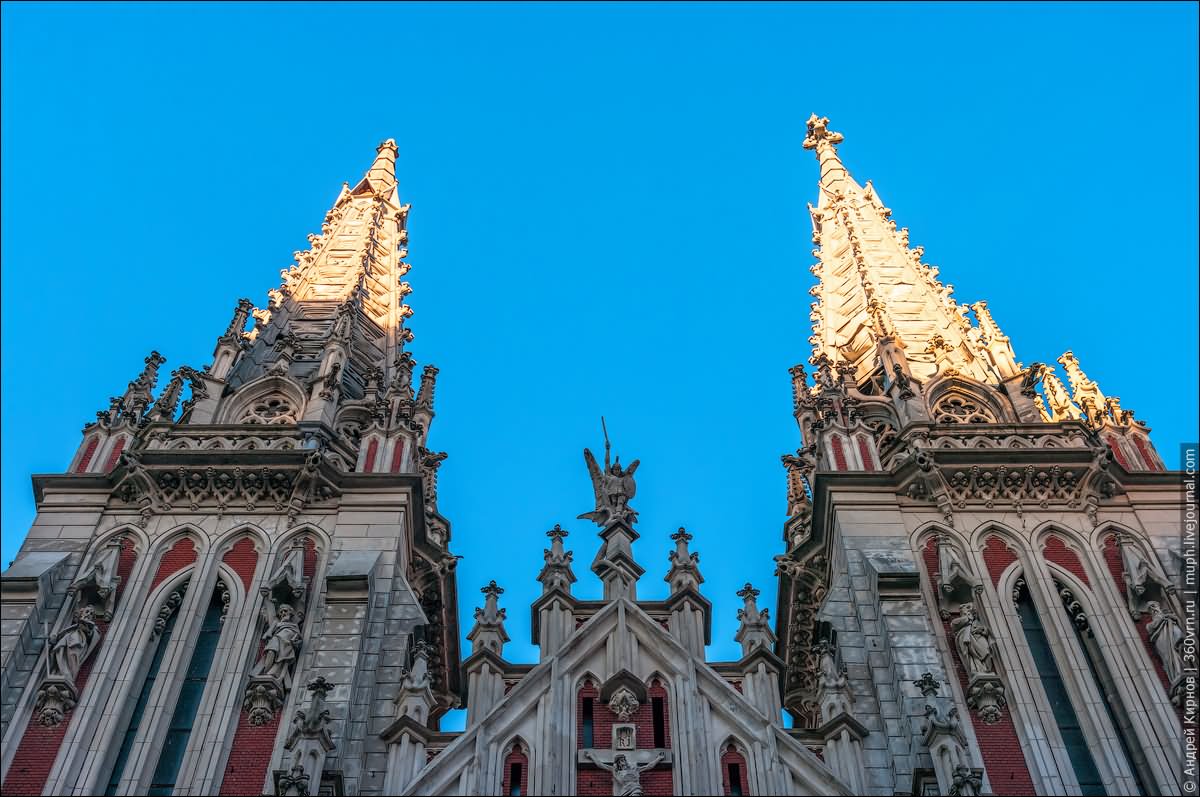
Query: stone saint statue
{"x": 973, "y": 641}
{"x": 1167, "y": 638}
{"x": 282, "y": 639}
{"x": 70, "y": 647}
{"x": 614, "y": 488}
{"x": 627, "y": 776}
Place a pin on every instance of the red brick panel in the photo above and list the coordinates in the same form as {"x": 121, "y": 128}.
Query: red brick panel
{"x": 593, "y": 780}
{"x": 839, "y": 453}
{"x": 1001, "y": 747}
{"x": 996, "y": 555}
{"x": 864, "y": 450}
{"x": 115, "y": 455}
{"x": 397, "y": 455}
{"x": 1144, "y": 450}
{"x": 250, "y": 755}
{"x": 88, "y": 453}
{"x": 243, "y": 559}
{"x": 1056, "y": 551}
{"x": 516, "y": 756}
{"x": 40, "y": 743}
{"x": 182, "y": 554}
{"x": 1112, "y": 557}
{"x": 372, "y": 450}
{"x": 1118, "y": 454}
{"x": 732, "y": 756}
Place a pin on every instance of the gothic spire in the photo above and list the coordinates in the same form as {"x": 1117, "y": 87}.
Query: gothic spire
{"x": 878, "y": 304}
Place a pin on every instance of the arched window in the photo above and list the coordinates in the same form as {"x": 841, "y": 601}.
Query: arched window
{"x": 516, "y": 771}
{"x": 1056, "y": 693}
{"x": 1102, "y": 677}
{"x": 190, "y": 694}
{"x": 164, "y": 626}
{"x": 733, "y": 771}
{"x": 959, "y": 408}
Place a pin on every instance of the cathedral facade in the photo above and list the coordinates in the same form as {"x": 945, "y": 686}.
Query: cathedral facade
{"x": 243, "y": 583}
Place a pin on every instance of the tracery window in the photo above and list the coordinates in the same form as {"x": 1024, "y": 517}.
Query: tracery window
{"x": 1065, "y": 717}
{"x": 270, "y": 409}
{"x": 957, "y": 408}
{"x": 190, "y": 694}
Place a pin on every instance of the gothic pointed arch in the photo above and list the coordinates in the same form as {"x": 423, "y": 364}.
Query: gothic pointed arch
{"x": 270, "y": 400}
{"x": 959, "y": 400}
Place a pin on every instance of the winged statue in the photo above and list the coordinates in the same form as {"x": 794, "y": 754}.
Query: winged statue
{"x": 614, "y": 488}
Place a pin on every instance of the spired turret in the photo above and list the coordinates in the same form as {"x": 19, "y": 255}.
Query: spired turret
{"x": 939, "y": 483}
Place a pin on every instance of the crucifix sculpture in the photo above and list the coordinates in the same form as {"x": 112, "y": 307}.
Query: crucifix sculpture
{"x": 626, "y": 768}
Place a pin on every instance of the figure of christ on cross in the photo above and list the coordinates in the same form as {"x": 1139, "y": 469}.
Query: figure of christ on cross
{"x": 626, "y": 768}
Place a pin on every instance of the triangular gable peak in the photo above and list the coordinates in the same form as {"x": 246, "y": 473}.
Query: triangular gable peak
{"x": 542, "y": 711}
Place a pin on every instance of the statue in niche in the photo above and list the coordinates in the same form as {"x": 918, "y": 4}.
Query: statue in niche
{"x": 626, "y": 774}
{"x": 282, "y": 638}
{"x": 614, "y": 487}
{"x": 70, "y": 647}
{"x": 1166, "y": 636}
{"x": 973, "y": 641}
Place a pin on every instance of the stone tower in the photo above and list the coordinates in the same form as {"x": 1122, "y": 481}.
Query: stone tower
{"x": 234, "y": 577}
{"x": 984, "y": 557}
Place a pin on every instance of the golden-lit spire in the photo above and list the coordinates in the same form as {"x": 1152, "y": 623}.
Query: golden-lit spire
{"x": 874, "y": 291}
{"x": 381, "y": 177}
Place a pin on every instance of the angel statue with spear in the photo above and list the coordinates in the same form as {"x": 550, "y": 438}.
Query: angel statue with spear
{"x": 613, "y": 485}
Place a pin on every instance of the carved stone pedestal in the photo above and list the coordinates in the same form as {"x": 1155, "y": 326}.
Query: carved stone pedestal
{"x": 985, "y": 696}
{"x": 264, "y": 697}
{"x": 55, "y": 698}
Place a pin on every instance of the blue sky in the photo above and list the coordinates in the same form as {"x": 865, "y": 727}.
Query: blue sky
{"x": 608, "y": 218}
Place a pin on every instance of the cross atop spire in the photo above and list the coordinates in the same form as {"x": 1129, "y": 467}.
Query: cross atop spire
{"x": 825, "y": 141}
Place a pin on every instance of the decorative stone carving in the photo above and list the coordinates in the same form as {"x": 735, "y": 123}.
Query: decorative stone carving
{"x": 489, "y": 633}
{"x": 685, "y": 565}
{"x": 833, "y": 689}
{"x": 415, "y": 698}
{"x": 947, "y": 746}
{"x": 956, "y": 583}
{"x": 957, "y": 408}
{"x": 973, "y": 641}
{"x": 1143, "y": 583}
{"x": 624, "y": 703}
{"x": 614, "y": 488}
{"x": 309, "y": 742}
{"x": 282, "y": 642}
{"x": 264, "y": 697}
{"x": 55, "y": 698}
{"x": 97, "y": 585}
{"x": 1166, "y": 636}
{"x": 557, "y": 573}
{"x": 967, "y": 782}
{"x": 927, "y": 684}
{"x": 169, "y": 607}
{"x": 626, "y": 768}
{"x": 755, "y": 629}
{"x": 72, "y": 646}
{"x": 624, "y": 736}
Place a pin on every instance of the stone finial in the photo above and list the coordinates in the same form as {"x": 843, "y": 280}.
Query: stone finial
{"x": 685, "y": 565}
{"x": 819, "y": 134}
{"x": 428, "y": 384}
{"x": 927, "y": 684}
{"x": 168, "y": 401}
{"x": 241, "y": 313}
{"x": 1061, "y": 406}
{"x": 799, "y": 384}
{"x": 557, "y": 573}
{"x": 415, "y": 698}
{"x": 755, "y": 630}
{"x": 140, "y": 392}
{"x": 489, "y": 633}
{"x": 1085, "y": 392}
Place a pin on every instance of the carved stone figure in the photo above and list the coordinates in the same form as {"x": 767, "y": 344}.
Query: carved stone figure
{"x": 954, "y": 578}
{"x": 70, "y": 647}
{"x": 973, "y": 641}
{"x": 97, "y": 585}
{"x": 614, "y": 488}
{"x": 833, "y": 691}
{"x": 623, "y": 703}
{"x": 282, "y": 638}
{"x": 1166, "y": 636}
{"x": 627, "y": 774}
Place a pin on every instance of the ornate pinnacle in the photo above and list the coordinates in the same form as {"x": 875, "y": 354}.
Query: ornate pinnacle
{"x": 240, "y": 314}
{"x": 492, "y": 590}
{"x": 927, "y": 684}
{"x": 748, "y": 593}
{"x": 556, "y": 533}
{"x": 320, "y": 686}
{"x": 820, "y": 135}
{"x": 682, "y": 535}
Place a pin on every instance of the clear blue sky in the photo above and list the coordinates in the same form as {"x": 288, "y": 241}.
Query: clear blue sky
{"x": 608, "y": 218}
